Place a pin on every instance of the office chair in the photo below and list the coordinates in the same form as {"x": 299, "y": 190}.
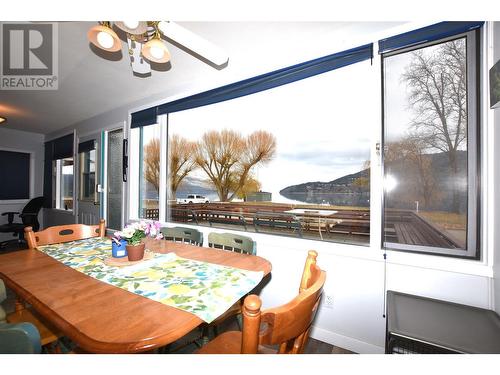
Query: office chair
{"x": 29, "y": 218}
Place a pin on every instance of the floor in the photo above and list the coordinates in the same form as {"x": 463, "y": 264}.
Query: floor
{"x": 186, "y": 344}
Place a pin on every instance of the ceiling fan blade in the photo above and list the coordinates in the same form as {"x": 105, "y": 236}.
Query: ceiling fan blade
{"x": 137, "y": 62}
{"x": 193, "y": 42}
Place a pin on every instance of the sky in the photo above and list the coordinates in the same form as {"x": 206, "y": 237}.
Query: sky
{"x": 322, "y": 125}
{"x": 398, "y": 114}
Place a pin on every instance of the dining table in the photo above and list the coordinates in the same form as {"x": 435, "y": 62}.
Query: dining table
{"x": 103, "y": 318}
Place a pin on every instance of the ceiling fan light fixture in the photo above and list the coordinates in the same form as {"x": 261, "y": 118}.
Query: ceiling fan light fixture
{"x": 156, "y": 51}
{"x": 104, "y": 37}
{"x": 132, "y": 27}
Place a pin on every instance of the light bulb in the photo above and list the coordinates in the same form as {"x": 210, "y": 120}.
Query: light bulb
{"x": 131, "y": 24}
{"x": 105, "y": 39}
{"x": 157, "y": 52}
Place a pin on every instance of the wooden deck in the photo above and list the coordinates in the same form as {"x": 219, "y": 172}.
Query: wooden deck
{"x": 346, "y": 224}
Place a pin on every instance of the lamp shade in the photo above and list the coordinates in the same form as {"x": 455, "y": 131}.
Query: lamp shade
{"x": 132, "y": 27}
{"x": 156, "y": 51}
{"x": 105, "y": 38}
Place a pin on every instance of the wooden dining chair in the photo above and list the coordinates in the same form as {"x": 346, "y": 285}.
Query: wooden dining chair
{"x": 63, "y": 233}
{"x": 49, "y": 334}
{"x": 287, "y": 326}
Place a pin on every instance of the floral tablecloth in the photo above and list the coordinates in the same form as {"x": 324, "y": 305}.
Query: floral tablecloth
{"x": 204, "y": 289}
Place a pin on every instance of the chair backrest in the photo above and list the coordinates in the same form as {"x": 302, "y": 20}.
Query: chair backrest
{"x": 232, "y": 242}
{"x": 182, "y": 234}
{"x": 33, "y": 207}
{"x": 63, "y": 233}
{"x": 287, "y": 325}
{"x": 19, "y": 338}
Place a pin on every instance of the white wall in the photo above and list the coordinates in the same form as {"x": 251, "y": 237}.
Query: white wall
{"x": 496, "y": 166}
{"x": 355, "y": 274}
{"x": 17, "y": 140}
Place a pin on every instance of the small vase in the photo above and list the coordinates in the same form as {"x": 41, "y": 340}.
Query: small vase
{"x": 135, "y": 252}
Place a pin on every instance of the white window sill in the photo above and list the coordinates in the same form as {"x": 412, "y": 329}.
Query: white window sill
{"x": 367, "y": 253}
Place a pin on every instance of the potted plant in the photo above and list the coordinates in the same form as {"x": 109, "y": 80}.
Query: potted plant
{"x": 134, "y": 233}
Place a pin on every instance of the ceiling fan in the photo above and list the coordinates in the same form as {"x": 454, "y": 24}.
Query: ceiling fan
{"x": 146, "y": 44}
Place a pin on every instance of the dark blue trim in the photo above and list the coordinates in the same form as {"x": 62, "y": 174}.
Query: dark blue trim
{"x": 63, "y": 147}
{"x": 270, "y": 80}
{"x": 426, "y": 34}
{"x": 86, "y": 146}
{"x": 144, "y": 117}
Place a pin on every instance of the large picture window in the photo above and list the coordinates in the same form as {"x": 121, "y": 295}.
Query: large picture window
{"x": 291, "y": 161}
{"x": 431, "y": 147}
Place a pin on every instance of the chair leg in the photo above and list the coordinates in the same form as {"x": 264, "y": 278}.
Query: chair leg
{"x": 239, "y": 319}
{"x": 216, "y": 330}
{"x": 19, "y": 304}
{"x": 205, "y": 335}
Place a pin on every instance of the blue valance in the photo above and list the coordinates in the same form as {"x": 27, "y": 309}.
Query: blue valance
{"x": 270, "y": 80}
{"x": 62, "y": 147}
{"x": 86, "y": 146}
{"x": 426, "y": 34}
{"x": 144, "y": 117}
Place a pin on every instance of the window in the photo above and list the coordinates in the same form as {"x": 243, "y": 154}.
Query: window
{"x": 15, "y": 175}
{"x": 63, "y": 177}
{"x": 87, "y": 175}
{"x": 145, "y": 143}
{"x": 291, "y": 161}
{"x": 431, "y": 147}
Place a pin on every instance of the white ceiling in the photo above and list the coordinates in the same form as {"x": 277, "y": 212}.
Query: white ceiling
{"x": 90, "y": 85}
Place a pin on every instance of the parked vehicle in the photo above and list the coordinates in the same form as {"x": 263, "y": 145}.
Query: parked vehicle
{"x": 193, "y": 198}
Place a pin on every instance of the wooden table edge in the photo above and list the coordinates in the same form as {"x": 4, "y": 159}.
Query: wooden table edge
{"x": 89, "y": 344}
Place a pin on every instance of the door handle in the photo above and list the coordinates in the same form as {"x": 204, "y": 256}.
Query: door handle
{"x": 125, "y": 159}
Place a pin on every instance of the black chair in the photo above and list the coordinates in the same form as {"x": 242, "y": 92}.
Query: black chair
{"x": 29, "y": 218}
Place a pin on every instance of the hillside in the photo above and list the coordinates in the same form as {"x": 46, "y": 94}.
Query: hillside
{"x": 344, "y": 190}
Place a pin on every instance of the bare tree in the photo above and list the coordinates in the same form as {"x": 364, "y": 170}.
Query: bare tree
{"x": 438, "y": 95}
{"x": 228, "y": 158}
{"x": 152, "y": 163}
{"x": 181, "y": 161}
{"x": 251, "y": 185}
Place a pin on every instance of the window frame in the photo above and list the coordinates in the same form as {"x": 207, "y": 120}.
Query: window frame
{"x": 58, "y": 181}
{"x": 474, "y": 194}
{"x": 81, "y": 172}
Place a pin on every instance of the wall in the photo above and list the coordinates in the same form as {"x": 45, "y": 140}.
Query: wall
{"x": 357, "y": 276}
{"x": 496, "y": 176}
{"x": 29, "y": 142}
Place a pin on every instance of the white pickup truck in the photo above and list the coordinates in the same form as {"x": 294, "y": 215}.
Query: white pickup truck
{"x": 193, "y": 198}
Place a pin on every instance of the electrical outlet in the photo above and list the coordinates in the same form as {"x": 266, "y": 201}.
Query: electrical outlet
{"x": 328, "y": 302}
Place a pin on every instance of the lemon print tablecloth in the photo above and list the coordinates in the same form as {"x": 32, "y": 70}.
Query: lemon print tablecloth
{"x": 204, "y": 289}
